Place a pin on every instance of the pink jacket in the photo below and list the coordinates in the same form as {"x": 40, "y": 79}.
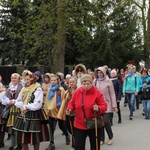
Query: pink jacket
{"x": 105, "y": 86}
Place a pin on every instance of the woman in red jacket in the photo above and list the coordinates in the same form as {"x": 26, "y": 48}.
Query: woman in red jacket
{"x": 93, "y": 101}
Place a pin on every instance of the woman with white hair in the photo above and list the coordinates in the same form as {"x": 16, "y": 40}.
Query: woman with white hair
{"x": 11, "y": 95}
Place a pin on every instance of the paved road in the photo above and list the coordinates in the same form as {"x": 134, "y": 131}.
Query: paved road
{"x": 130, "y": 135}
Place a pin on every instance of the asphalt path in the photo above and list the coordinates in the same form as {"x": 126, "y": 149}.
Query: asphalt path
{"x": 129, "y": 135}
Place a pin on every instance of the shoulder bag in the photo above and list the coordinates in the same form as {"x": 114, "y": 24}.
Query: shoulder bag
{"x": 90, "y": 122}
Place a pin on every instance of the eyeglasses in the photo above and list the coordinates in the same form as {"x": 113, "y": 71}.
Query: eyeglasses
{"x": 79, "y": 70}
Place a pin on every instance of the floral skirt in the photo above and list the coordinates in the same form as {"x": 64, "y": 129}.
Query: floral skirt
{"x": 2, "y": 122}
{"x": 32, "y": 127}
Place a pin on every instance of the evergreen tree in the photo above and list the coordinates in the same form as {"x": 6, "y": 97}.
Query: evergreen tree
{"x": 13, "y": 20}
{"x": 125, "y": 35}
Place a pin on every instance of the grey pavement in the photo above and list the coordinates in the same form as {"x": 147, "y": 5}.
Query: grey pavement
{"x": 129, "y": 135}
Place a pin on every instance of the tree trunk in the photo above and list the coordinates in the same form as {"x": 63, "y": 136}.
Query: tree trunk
{"x": 148, "y": 30}
{"x": 147, "y": 38}
{"x": 59, "y": 50}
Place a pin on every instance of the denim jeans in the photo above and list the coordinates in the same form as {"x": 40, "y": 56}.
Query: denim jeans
{"x": 146, "y": 107}
{"x": 137, "y": 101}
{"x": 131, "y": 102}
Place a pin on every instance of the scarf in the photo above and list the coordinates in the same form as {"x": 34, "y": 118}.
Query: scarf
{"x": 100, "y": 79}
{"x": 53, "y": 88}
{"x": 113, "y": 78}
{"x": 58, "y": 98}
{"x": 129, "y": 74}
{"x": 26, "y": 92}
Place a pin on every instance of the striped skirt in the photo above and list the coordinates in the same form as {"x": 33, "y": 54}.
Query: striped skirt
{"x": 14, "y": 111}
{"x": 32, "y": 127}
{"x": 2, "y": 122}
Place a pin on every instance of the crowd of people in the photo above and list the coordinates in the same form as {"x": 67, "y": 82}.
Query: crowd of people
{"x": 37, "y": 102}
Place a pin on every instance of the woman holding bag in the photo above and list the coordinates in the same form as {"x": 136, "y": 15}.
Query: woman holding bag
{"x": 91, "y": 99}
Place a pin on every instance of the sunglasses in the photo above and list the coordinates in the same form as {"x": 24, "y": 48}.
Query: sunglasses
{"x": 79, "y": 70}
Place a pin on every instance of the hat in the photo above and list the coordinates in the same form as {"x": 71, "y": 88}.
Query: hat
{"x": 114, "y": 72}
{"x": 86, "y": 77}
{"x": 60, "y": 74}
{"x": 68, "y": 76}
{"x": 38, "y": 73}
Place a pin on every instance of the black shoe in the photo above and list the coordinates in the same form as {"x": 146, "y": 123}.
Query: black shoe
{"x": 130, "y": 117}
{"x": 146, "y": 117}
{"x": 11, "y": 148}
{"x": 67, "y": 140}
{"x": 2, "y": 145}
{"x": 125, "y": 104}
{"x": 50, "y": 147}
{"x": 119, "y": 121}
{"x": 9, "y": 135}
{"x": 19, "y": 147}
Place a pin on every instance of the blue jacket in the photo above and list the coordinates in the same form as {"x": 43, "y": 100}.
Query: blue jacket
{"x": 141, "y": 79}
{"x": 131, "y": 84}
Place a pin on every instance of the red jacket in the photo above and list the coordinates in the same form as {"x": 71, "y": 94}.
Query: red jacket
{"x": 91, "y": 97}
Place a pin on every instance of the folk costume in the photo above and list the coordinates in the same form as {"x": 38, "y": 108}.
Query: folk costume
{"x": 11, "y": 94}
{"x": 2, "y": 121}
{"x": 45, "y": 85}
{"x": 9, "y": 99}
{"x": 52, "y": 107}
{"x": 31, "y": 126}
{"x": 69, "y": 119}
{"x": 67, "y": 97}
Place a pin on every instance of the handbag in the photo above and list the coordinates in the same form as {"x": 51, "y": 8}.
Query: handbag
{"x": 6, "y": 112}
{"x": 90, "y": 122}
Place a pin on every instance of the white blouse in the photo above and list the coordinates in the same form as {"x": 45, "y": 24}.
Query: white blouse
{"x": 37, "y": 102}
{"x": 5, "y": 99}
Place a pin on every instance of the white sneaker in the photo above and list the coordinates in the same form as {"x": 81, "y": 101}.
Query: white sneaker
{"x": 101, "y": 142}
{"x": 110, "y": 142}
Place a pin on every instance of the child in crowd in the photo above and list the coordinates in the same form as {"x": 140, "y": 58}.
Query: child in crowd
{"x": 145, "y": 96}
